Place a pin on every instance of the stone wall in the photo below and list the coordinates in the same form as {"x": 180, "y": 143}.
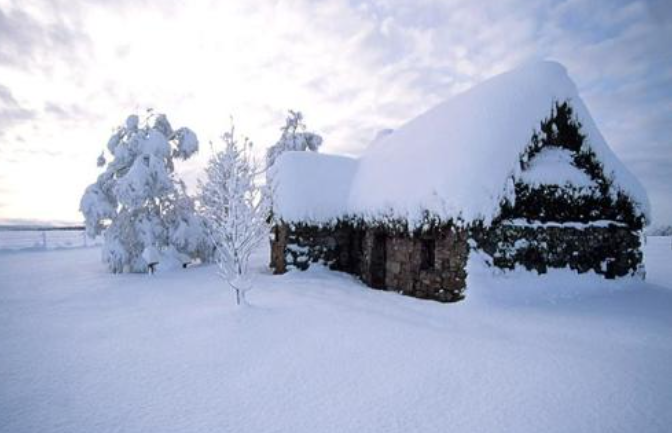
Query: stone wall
{"x": 444, "y": 280}
{"x": 611, "y": 250}
{"x": 279, "y": 234}
{"x": 338, "y": 247}
{"x": 350, "y": 249}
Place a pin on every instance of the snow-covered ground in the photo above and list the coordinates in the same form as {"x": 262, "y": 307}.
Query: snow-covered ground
{"x": 85, "y": 351}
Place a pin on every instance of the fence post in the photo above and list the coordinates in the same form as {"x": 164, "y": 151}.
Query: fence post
{"x": 85, "y": 240}
{"x": 44, "y": 239}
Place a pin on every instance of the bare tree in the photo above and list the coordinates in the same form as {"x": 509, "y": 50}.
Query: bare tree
{"x": 235, "y": 209}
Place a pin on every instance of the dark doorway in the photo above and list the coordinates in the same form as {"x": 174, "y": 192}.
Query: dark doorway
{"x": 378, "y": 258}
{"x": 356, "y": 249}
{"x": 427, "y": 258}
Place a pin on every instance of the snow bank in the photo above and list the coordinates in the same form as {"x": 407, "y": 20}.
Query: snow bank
{"x": 311, "y": 187}
{"x": 456, "y": 160}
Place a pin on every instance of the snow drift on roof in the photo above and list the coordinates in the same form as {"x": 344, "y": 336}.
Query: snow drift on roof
{"x": 454, "y": 161}
{"x": 310, "y": 186}
{"x": 555, "y": 166}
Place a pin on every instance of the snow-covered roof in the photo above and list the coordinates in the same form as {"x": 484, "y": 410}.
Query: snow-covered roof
{"x": 454, "y": 161}
{"x": 310, "y": 186}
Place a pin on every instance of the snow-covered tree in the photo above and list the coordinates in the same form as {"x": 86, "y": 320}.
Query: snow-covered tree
{"x": 137, "y": 201}
{"x": 235, "y": 208}
{"x": 186, "y": 229}
{"x": 294, "y": 137}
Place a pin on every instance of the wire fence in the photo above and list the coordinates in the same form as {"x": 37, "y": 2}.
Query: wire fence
{"x": 45, "y": 239}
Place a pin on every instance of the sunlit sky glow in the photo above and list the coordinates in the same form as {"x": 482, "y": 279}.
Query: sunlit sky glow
{"x": 70, "y": 70}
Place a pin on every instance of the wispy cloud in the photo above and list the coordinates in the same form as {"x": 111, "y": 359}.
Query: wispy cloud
{"x": 11, "y": 112}
{"x": 35, "y": 35}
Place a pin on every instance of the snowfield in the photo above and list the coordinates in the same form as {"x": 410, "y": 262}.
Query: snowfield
{"x": 83, "y": 350}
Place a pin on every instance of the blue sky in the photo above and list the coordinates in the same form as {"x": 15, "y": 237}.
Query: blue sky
{"x": 72, "y": 70}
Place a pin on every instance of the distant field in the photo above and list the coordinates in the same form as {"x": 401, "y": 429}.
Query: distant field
{"x": 44, "y": 238}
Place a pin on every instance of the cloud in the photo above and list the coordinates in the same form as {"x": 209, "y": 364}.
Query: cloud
{"x": 37, "y": 35}
{"x": 72, "y": 112}
{"x": 11, "y": 112}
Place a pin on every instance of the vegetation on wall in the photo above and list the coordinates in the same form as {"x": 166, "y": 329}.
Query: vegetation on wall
{"x": 563, "y": 202}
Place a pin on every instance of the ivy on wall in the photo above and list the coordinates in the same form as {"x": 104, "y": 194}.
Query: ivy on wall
{"x": 561, "y": 203}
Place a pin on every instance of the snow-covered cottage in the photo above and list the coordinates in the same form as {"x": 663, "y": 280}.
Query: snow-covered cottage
{"x": 514, "y": 166}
